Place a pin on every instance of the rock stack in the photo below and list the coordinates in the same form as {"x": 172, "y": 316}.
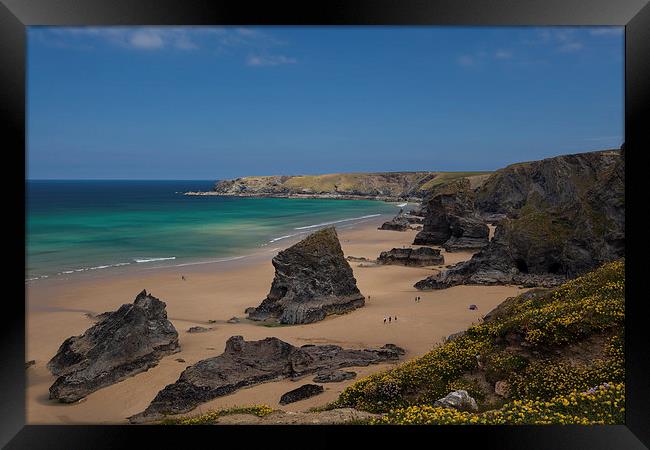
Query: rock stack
{"x": 123, "y": 343}
{"x": 312, "y": 280}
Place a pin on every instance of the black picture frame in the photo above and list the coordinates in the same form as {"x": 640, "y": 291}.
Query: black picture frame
{"x": 16, "y": 15}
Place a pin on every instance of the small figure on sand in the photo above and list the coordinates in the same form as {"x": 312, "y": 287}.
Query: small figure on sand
{"x": 389, "y": 319}
{"x": 384, "y": 320}
{"x": 183, "y": 277}
{"x": 395, "y": 318}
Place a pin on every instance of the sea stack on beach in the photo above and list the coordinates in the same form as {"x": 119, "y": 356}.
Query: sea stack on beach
{"x": 312, "y": 280}
{"x": 123, "y": 343}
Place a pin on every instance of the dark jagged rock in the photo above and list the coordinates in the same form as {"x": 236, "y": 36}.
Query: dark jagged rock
{"x": 413, "y": 219}
{"x": 334, "y": 376}
{"x": 451, "y": 220}
{"x": 301, "y": 393}
{"x": 233, "y": 320}
{"x": 30, "y": 363}
{"x": 125, "y": 342}
{"x": 397, "y": 223}
{"x": 312, "y": 280}
{"x": 423, "y": 256}
{"x": 253, "y": 362}
{"x": 356, "y": 258}
{"x": 198, "y": 329}
{"x": 565, "y": 216}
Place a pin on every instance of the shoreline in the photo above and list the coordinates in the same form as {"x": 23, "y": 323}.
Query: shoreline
{"x": 186, "y": 261}
{"x": 215, "y": 292}
{"x": 328, "y": 196}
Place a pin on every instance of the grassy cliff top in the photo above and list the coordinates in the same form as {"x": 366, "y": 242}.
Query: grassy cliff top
{"x": 392, "y": 184}
{"x": 553, "y": 349}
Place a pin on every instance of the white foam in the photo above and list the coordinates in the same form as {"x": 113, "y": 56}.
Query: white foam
{"x": 401, "y": 205}
{"x": 336, "y": 221}
{"x": 146, "y": 260}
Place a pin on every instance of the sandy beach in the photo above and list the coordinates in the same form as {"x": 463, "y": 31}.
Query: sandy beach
{"x": 216, "y": 292}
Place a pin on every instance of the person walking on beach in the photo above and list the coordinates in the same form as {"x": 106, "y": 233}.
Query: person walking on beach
{"x": 389, "y": 319}
{"x": 384, "y": 321}
{"x": 183, "y": 277}
{"x": 395, "y": 318}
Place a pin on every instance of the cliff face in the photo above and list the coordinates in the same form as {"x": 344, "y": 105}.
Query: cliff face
{"x": 382, "y": 185}
{"x": 563, "y": 217}
{"x": 312, "y": 280}
{"x": 450, "y": 219}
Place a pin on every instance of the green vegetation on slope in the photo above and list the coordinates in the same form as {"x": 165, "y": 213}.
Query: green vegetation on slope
{"x": 549, "y": 347}
{"x": 212, "y": 417}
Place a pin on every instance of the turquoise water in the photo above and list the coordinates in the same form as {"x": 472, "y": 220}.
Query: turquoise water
{"x": 80, "y": 226}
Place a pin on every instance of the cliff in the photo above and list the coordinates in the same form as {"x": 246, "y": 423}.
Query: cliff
{"x": 560, "y": 217}
{"x": 382, "y": 185}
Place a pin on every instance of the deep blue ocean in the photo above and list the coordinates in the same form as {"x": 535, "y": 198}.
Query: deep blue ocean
{"x": 80, "y": 226}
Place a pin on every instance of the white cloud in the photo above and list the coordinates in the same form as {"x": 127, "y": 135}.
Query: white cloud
{"x": 466, "y": 60}
{"x": 571, "y": 47}
{"x": 607, "y": 31}
{"x": 159, "y": 37}
{"x": 503, "y": 54}
{"x": 276, "y": 60}
{"x": 146, "y": 39}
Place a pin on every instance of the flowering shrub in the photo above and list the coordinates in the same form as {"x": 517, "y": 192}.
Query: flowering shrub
{"x": 540, "y": 325}
{"x": 603, "y": 405}
{"x": 211, "y": 417}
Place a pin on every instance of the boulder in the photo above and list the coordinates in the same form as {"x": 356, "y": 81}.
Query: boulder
{"x": 301, "y": 393}
{"x": 459, "y": 400}
{"x": 502, "y": 388}
{"x": 198, "y": 329}
{"x": 249, "y": 363}
{"x": 30, "y": 363}
{"x": 233, "y": 320}
{"x": 423, "y": 256}
{"x": 397, "y": 223}
{"x": 312, "y": 280}
{"x": 125, "y": 342}
{"x": 334, "y": 376}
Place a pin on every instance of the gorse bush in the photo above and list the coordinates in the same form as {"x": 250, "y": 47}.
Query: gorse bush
{"x": 212, "y": 417}
{"x": 603, "y": 405}
{"x": 544, "y": 344}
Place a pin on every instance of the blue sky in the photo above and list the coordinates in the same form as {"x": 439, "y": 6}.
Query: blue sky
{"x": 221, "y": 102}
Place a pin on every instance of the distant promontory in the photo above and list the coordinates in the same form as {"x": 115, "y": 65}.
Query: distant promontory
{"x": 387, "y": 186}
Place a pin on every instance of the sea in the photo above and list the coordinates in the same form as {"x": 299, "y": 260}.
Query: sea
{"x": 83, "y": 226}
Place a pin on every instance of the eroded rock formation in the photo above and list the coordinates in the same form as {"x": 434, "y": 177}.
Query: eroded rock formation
{"x": 451, "y": 220}
{"x": 423, "y": 256}
{"x": 563, "y": 217}
{"x": 123, "y": 343}
{"x": 312, "y": 280}
{"x": 253, "y": 362}
{"x": 301, "y": 393}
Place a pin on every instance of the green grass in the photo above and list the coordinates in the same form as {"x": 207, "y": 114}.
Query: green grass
{"x": 212, "y": 417}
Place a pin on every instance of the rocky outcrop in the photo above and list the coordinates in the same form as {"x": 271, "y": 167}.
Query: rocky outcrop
{"x": 565, "y": 216}
{"x": 301, "y": 393}
{"x": 397, "y": 223}
{"x": 334, "y": 376}
{"x": 312, "y": 280}
{"x": 423, "y": 256}
{"x": 253, "y": 362}
{"x": 451, "y": 220}
{"x": 123, "y": 343}
{"x": 459, "y": 400}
